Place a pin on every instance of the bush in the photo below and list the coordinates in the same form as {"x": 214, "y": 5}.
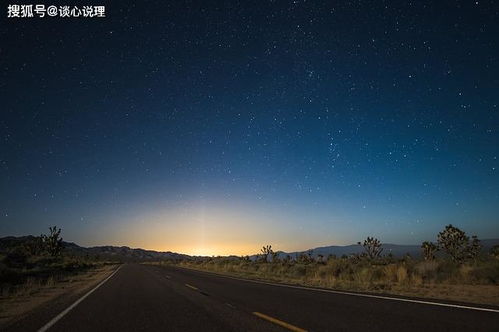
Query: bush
{"x": 390, "y": 272}
{"x": 401, "y": 274}
{"x": 427, "y": 270}
{"x": 7, "y": 275}
{"x": 338, "y": 266}
{"x": 17, "y": 257}
{"x": 447, "y": 271}
{"x": 357, "y": 272}
{"x": 486, "y": 273}
{"x": 457, "y": 244}
{"x": 363, "y": 277}
{"x": 299, "y": 270}
{"x": 372, "y": 247}
{"x": 494, "y": 251}
{"x": 53, "y": 242}
{"x": 429, "y": 250}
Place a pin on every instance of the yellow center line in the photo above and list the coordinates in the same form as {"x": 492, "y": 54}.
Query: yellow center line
{"x": 192, "y": 287}
{"x": 279, "y": 322}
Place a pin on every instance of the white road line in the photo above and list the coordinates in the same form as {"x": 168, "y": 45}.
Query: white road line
{"x": 68, "y": 309}
{"x": 382, "y": 297}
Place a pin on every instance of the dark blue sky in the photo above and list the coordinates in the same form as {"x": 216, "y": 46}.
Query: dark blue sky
{"x": 212, "y": 127}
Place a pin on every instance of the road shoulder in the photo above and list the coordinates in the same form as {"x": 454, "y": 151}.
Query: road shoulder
{"x": 31, "y": 309}
{"x": 466, "y": 300}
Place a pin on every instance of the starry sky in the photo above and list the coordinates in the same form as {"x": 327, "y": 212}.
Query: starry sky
{"x": 215, "y": 127}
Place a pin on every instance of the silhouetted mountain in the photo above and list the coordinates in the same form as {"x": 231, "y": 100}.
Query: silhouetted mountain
{"x": 105, "y": 252}
{"x": 136, "y": 254}
{"x": 127, "y": 253}
{"x": 396, "y": 250}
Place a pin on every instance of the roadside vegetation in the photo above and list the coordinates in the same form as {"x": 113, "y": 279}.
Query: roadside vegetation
{"x": 34, "y": 262}
{"x": 454, "y": 267}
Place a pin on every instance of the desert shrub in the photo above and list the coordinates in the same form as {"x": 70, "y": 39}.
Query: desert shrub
{"x": 363, "y": 277}
{"x": 401, "y": 274}
{"x": 53, "y": 241}
{"x": 447, "y": 271}
{"x": 416, "y": 280}
{"x": 331, "y": 257}
{"x": 16, "y": 258}
{"x": 427, "y": 270}
{"x": 305, "y": 258}
{"x": 487, "y": 272}
{"x": 494, "y": 251}
{"x": 465, "y": 271}
{"x": 390, "y": 272}
{"x": 34, "y": 246}
{"x": 429, "y": 250}
{"x": 43, "y": 261}
{"x": 474, "y": 248}
{"x": 323, "y": 271}
{"x": 70, "y": 264}
{"x": 265, "y": 269}
{"x": 338, "y": 266}
{"x": 7, "y": 275}
{"x": 298, "y": 270}
{"x": 457, "y": 244}
{"x": 357, "y": 272}
{"x": 372, "y": 247}
{"x": 378, "y": 273}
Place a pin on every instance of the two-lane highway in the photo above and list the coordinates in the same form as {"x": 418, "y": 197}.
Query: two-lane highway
{"x": 153, "y": 298}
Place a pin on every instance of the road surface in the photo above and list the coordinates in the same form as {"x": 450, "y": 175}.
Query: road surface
{"x": 153, "y": 298}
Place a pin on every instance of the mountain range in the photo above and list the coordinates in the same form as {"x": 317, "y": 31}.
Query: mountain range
{"x": 121, "y": 253}
{"x": 124, "y": 253}
{"x": 397, "y": 250}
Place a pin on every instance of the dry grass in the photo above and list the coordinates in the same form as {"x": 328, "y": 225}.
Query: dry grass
{"x": 17, "y": 301}
{"x": 473, "y": 282}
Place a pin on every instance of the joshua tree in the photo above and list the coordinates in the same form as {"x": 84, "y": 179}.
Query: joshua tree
{"x": 266, "y": 253}
{"x": 275, "y": 257}
{"x": 53, "y": 242}
{"x": 429, "y": 250}
{"x": 457, "y": 244}
{"x": 474, "y": 247}
{"x": 372, "y": 247}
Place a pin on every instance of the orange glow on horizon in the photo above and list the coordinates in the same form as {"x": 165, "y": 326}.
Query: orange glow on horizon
{"x": 212, "y": 230}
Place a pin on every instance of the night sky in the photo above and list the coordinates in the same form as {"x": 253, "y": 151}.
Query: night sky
{"x": 215, "y": 127}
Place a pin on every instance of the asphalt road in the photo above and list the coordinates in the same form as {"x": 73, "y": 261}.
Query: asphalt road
{"x": 152, "y": 298}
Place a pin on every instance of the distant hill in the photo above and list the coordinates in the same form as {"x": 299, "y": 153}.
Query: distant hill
{"x": 105, "y": 252}
{"x": 126, "y": 253}
{"x": 396, "y": 250}
{"x": 136, "y": 254}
